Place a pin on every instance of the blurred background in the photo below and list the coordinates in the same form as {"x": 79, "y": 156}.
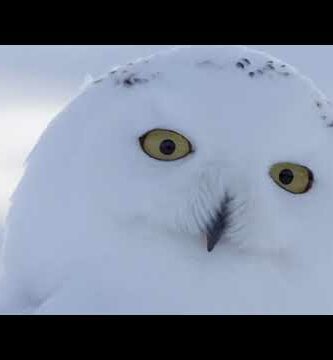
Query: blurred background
{"x": 36, "y": 82}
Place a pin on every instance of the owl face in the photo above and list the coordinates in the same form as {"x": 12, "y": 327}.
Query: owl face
{"x": 225, "y": 145}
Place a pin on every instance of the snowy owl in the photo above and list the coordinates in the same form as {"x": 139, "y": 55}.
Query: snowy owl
{"x": 196, "y": 181}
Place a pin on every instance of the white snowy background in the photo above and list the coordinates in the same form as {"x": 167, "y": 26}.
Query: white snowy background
{"x": 36, "y": 82}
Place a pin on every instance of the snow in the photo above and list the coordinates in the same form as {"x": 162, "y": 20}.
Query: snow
{"x": 96, "y": 226}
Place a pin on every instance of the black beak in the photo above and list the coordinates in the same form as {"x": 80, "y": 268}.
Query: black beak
{"x": 220, "y": 224}
{"x": 211, "y": 242}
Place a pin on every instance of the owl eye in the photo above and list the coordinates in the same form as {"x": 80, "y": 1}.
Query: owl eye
{"x": 165, "y": 145}
{"x": 294, "y": 178}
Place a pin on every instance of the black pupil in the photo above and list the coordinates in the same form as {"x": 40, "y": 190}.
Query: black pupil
{"x": 286, "y": 177}
{"x": 167, "y": 147}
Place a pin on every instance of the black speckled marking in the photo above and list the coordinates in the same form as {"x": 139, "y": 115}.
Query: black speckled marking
{"x": 319, "y": 104}
{"x": 243, "y": 63}
{"x": 132, "y": 80}
{"x": 269, "y": 67}
{"x": 324, "y": 116}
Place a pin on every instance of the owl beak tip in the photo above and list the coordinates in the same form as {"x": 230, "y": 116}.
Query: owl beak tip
{"x": 210, "y": 244}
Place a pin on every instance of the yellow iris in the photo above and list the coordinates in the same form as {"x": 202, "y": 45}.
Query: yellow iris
{"x": 294, "y": 178}
{"x": 165, "y": 145}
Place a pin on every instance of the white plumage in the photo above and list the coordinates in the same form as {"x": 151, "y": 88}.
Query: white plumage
{"x": 98, "y": 226}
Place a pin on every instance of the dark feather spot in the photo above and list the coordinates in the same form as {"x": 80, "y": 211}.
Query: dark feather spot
{"x": 319, "y": 104}
{"x": 269, "y": 67}
{"x": 133, "y": 80}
